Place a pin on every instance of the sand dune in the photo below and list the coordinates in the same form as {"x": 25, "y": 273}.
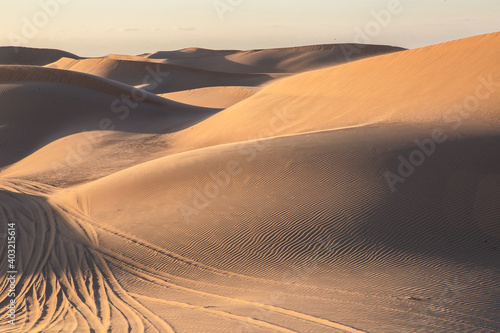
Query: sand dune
{"x": 173, "y": 77}
{"x": 16, "y": 74}
{"x": 190, "y": 52}
{"x": 30, "y": 56}
{"x": 283, "y": 60}
{"x": 387, "y": 89}
{"x": 198, "y": 68}
{"x": 337, "y": 219}
{"x": 357, "y": 198}
{"x": 78, "y": 103}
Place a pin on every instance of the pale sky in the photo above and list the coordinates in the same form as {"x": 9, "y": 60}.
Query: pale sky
{"x": 99, "y": 27}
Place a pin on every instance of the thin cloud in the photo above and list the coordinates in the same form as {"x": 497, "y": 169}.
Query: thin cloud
{"x": 185, "y": 28}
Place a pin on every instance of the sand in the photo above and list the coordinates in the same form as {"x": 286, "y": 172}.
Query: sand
{"x": 10, "y": 55}
{"x": 288, "y": 190}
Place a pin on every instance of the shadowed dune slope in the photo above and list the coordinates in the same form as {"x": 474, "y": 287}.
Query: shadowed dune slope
{"x": 10, "y": 55}
{"x": 18, "y": 74}
{"x": 433, "y": 84}
{"x": 61, "y": 103}
{"x": 186, "y": 53}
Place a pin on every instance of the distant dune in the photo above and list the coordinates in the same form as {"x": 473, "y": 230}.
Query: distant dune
{"x": 133, "y": 72}
{"x": 283, "y": 60}
{"x": 289, "y": 190}
{"x": 10, "y": 55}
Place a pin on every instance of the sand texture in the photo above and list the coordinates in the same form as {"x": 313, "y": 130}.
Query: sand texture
{"x": 280, "y": 190}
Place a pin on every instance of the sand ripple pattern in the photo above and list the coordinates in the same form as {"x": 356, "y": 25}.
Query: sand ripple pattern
{"x": 67, "y": 283}
{"x": 63, "y": 282}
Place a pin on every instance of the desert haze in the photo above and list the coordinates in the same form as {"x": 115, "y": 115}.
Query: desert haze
{"x": 326, "y": 188}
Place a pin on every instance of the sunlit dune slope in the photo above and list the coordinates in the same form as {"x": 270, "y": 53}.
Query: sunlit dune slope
{"x": 214, "y": 97}
{"x": 435, "y": 84}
